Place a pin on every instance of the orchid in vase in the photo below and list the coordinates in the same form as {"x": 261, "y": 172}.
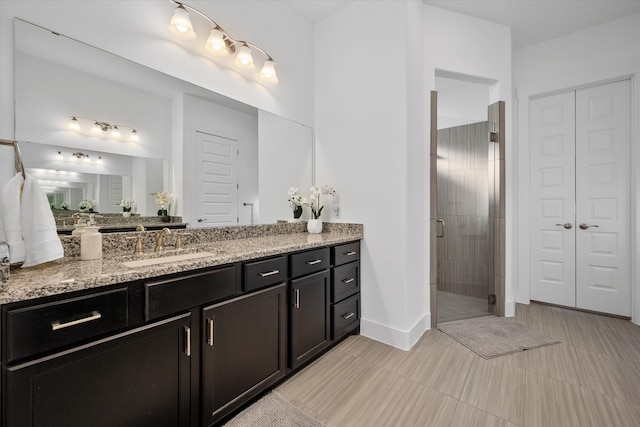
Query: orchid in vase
{"x": 163, "y": 200}
{"x": 127, "y": 204}
{"x": 314, "y": 199}
{"x": 296, "y": 201}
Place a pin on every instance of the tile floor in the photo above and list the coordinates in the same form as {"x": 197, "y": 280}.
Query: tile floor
{"x": 457, "y": 307}
{"x": 591, "y": 379}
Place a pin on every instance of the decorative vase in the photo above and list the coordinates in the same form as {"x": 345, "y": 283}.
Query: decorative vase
{"x": 297, "y": 212}
{"x": 126, "y": 214}
{"x": 165, "y": 218}
{"x": 314, "y": 226}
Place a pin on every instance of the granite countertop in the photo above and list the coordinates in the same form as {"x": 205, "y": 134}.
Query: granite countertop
{"x": 71, "y": 274}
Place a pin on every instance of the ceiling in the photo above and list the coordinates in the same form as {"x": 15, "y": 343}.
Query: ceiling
{"x": 531, "y": 21}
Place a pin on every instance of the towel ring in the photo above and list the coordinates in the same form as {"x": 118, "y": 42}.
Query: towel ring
{"x": 19, "y": 166}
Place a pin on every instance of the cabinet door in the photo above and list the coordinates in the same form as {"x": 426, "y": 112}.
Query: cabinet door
{"x": 309, "y": 316}
{"x": 137, "y": 378}
{"x": 243, "y": 350}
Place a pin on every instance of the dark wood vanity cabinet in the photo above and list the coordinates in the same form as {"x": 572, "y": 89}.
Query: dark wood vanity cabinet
{"x": 187, "y": 349}
{"x": 244, "y": 349}
{"x": 309, "y": 309}
{"x": 140, "y": 377}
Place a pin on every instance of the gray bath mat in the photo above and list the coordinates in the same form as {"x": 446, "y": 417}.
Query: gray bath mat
{"x": 272, "y": 411}
{"x": 494, "y": 336}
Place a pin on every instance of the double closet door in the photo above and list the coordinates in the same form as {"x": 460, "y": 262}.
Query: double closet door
{"x": 580, "y": 198}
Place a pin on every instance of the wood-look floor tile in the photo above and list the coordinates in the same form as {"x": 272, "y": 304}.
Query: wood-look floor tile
{"x": 326, "y": 385}
{"x": 443, "y": 368}
{"x": 497, "y": 388}
{"x": 372, "y": 351}
{"x": 392, "y": 400}
{"x": 469, "y": 416}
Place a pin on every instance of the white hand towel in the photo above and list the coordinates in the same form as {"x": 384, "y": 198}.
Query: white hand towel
{"x": 39, "y": 232}
{"x": 11, "y": 218}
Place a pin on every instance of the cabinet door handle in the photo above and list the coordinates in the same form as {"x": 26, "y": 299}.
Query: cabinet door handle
{"x": 314, "y": 262}
{"x": 95, "y": 315}
{"x": 210, "y": 334}
{"x": 350, "y": 253}
{"x": 269, "y": 273}
{"x": 296, "y": 304}
{"x": 348, "y": 315}
{"x": 440, "y": 235}
{"x": 187, "y": 336}
{"x": 345, "y": 281}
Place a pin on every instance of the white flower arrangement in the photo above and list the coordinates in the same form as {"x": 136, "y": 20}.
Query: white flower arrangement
{"x": 64, "y": 206}
{"x": 127, "y": 204}
{"x": 87, "y": 205}
{"x": 163, "y": 200}
{"x": 296, "y": 201}
{"x": 314, "y": 199}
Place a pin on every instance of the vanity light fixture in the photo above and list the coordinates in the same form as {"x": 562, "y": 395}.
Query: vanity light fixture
{"x": 100, "y": 126}
{"x": 219, "y": 43}
{"x": 59, "y": 156}
{"x": 80, "y": 156}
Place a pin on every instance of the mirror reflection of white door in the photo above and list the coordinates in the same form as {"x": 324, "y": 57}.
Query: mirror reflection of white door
{"x": 217, "y": 182}
{"x": 580, "y": 192}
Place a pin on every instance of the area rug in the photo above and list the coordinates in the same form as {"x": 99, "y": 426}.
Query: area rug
{"x": 272, "y": 411}
{"x": 494, "y": 336}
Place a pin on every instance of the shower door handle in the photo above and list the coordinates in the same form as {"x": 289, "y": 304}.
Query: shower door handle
{"x": 441, "y": 222}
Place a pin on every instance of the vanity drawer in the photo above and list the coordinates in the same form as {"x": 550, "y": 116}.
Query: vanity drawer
{"x": 345, "y": 281}
{"x": 167, "y": 297}
{"x": 260, "y": 274}
{"x": 44, "y": 327}
{"x": 348, "y": 252}
{"x": 308, "y": 262}
{"x": 345, "y": 316}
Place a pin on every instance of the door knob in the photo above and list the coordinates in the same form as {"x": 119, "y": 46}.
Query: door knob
{"x": 566, "y": 225}
{"x": 584, "y": 226}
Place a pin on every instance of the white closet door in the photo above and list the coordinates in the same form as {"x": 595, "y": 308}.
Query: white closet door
{"x": 603, "y": 193}
{"x": 552, "y": 139}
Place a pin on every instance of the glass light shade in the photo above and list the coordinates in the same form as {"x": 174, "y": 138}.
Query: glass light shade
{"x": 87, "y": 159}
{"x": 59, "y": 156}
{"x": 74, "y": 124}
{"x": 96, "y": 128}
{"x": 268, "y": 74}
{"x": 134, "y": 136}
{"x": 244, "y": 59}
{"x": 115, "y": 132}
{"x": 180, "y": 26}
{"x": 99, "y": 161}
{"x": 216, "y": 45}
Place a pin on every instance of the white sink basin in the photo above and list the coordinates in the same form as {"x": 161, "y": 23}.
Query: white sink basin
{"x": 167, "y": 259}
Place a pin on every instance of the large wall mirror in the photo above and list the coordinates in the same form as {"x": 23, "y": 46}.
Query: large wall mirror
{"x": 226, "y": 162}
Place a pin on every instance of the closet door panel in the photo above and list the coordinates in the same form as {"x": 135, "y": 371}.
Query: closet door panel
{"x": 552, "y": 139}
{"x": 603, "y": 193}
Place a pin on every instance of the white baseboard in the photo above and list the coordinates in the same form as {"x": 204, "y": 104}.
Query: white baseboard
{"x": 398, "y": 338}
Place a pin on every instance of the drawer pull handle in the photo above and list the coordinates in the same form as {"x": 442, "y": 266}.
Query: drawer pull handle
{"x": 210, "y": 327}
{"x": 317, "y": 261}
{"x": 269, "y": 273}
{"x": 345, "y": 281}
{"x": 296, "y": 304}
{"x": 348, "y": 315}
{"x": 350, "y": 253}
{"x": 95, "y": 315}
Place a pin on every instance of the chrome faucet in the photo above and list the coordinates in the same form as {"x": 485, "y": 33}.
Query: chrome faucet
{"x": 160, "y": 239}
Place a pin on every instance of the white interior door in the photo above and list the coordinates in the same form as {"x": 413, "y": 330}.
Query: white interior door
{"x": 217, "y": 163}
{"x": 603, "y": 135}
{"x": 552, "y": 139}
{"x": 580, "y": 198}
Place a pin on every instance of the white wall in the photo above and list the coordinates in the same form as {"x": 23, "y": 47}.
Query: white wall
{"x": 597, "y": 54}
{"x": 372, "y": 109}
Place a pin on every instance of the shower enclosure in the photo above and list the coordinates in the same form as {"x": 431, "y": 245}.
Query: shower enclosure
{"x": 465, "y": 229}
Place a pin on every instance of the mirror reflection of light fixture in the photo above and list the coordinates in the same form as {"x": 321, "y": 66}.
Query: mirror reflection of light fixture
{"x": 219, "y": 43}
{"x": 59, "y": 156}
{"x": 99, "y": 126}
